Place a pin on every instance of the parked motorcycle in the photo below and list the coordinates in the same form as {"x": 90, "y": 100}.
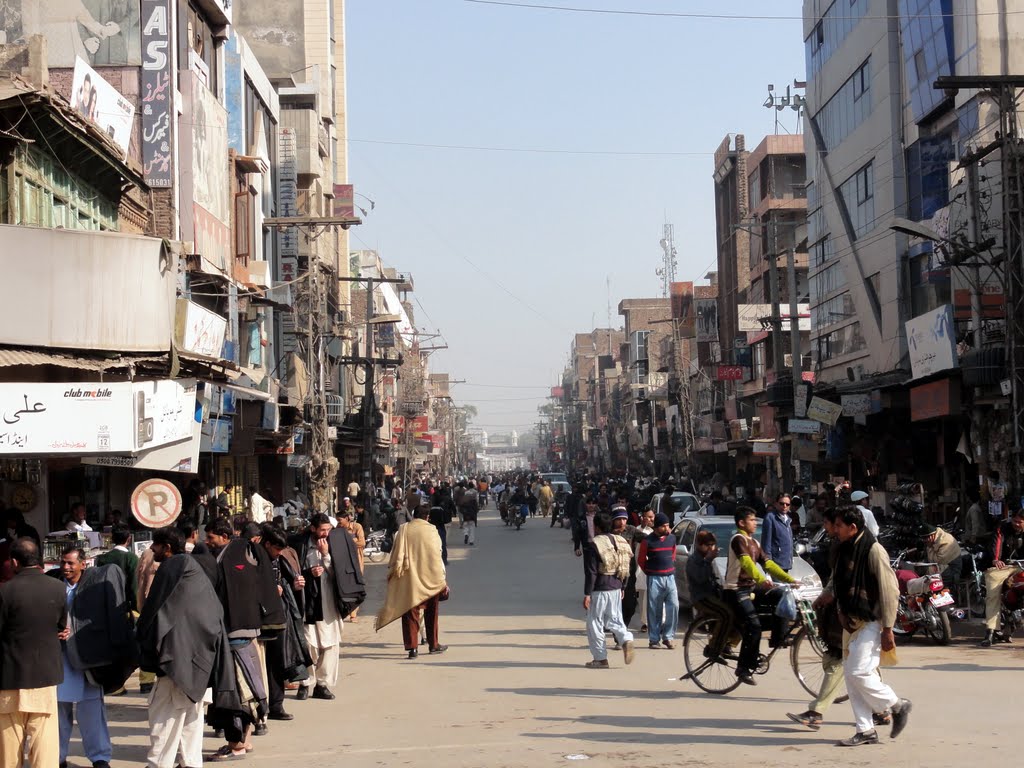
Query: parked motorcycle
{"x": 377, "y": 546}
{"x": 925, "y": 602}
{"x": 1011, "y": 604}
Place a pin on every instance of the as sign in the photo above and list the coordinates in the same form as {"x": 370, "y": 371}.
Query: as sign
{"x": 730, "y": 373}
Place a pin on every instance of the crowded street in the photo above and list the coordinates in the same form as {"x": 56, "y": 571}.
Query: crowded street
{"x": 512, "y": 691}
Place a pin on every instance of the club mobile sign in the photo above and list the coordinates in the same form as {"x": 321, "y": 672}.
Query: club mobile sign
{"x": 156, "y": 93}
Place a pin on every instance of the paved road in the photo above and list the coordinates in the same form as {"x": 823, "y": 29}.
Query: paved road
{"x": 512, "y": 691}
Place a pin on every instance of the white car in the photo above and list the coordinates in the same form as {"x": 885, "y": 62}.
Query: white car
{"x": 682, "y": 504}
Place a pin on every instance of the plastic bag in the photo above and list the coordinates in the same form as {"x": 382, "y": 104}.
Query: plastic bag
{"x": 888, "y": 659}
{"x": 786, "y": 607}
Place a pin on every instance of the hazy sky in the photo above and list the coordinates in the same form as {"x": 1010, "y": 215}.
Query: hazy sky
{"x": 511, "y": 251}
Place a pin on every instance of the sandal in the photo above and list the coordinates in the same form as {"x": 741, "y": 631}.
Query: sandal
{"x": 228, "y": 753}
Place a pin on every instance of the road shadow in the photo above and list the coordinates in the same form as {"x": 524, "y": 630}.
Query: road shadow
{"x": 508, "y": 665}
{"x": 643, "y": 721}
{"x": 744, "y": 738}
{"x": 951, "y": 667}
{"x": 581, "y": 632}
{"x": 616, "y": 693}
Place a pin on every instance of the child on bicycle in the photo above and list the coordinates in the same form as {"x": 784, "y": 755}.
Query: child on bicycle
{"x": 706, "y": 589}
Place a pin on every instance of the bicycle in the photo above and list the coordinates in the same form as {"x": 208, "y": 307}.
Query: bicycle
{"x": 716, "y": 672}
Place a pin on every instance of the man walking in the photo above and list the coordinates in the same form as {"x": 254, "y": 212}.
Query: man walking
{"x": 545, "y": 498}
{"x": 777, "y": 533}
{"x": 332, "y": 587}
{"x": 416, "y": 581}
{"x": 123, "y": 558}
{"x": 470, "y": 506}
{"x": 33, "y": 614}
{"x": 657, "y": 557}
{"x": 606, "y": 569}
{"x": 181, "y": 638}
{"x": 867, "y": 594}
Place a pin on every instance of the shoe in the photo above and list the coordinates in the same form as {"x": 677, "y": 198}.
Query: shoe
{"x": 900, "y": 715}
{"x": 439, "y": 649}
{"x": 868, "y": 737}
{"x": 746, "y": 678}
{"x": 882, "y": 718}
{"x": 413, "y": 653}
{"x": 654, "y": 646}
{"x": 990, "y": 636}
{"x": 302, "y": 694}
{"x": 145, "y": 687}
{"x": 322, "y": 692}
{"x": 261, "y": 729}
{"x": 597, "y": 664}
{"x": 423, "y": 641}
{"x": 465, "y": 539}
{"x": 628, "y": 652}
{"x": 669, "y": 644}
{"x": 809, "y": 719}
{"x": 101, "y": 764}
{"x": 64, "y": 764}
{"x": 280, "y": 715}
{"x": 616, "y": 647}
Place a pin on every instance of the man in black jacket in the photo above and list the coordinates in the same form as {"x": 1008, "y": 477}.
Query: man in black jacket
{"x": 183, "y": 641}
{"x": 332, "y": 586}
{"x": 32, "y": 615}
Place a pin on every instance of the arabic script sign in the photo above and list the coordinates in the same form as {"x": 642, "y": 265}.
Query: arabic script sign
{"x": 156, "y": 94}
{"x": 931, "y": 341}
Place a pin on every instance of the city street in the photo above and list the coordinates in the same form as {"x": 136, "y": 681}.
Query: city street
{"x": 512, "y": 689}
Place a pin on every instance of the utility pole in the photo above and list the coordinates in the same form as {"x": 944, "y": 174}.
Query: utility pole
{"x": 1003, "y": 88}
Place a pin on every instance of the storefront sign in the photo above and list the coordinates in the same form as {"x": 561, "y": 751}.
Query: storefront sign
{"x": 198, "y": 330}
{"x": 931, "y": 342}
{"x": 824, "y": 411}
{"x": 156, "y": 94}
{"x": 287, "y": 237}
{"x": 100, "y": 103}
{"x": 766, "y": 448}
{"x": 156, "y": 503}
{"x": 729, "y": 373}
{"x": 935, "y": 400}
{"x": 754, "y": 317}
{"x": 803, "y": 426}
{"x": 85, "y": 418}
{"x": 856, "y": 405}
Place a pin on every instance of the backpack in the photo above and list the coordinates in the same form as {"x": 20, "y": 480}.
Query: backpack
{"x": 614, "y": 555}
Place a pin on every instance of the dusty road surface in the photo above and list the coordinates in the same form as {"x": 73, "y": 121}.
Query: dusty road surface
{"x": 512, "y": 690}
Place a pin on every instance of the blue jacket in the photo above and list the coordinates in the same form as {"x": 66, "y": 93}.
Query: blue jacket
{"x": 777, "y": 540}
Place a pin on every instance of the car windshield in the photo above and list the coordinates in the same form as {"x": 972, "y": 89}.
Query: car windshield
{"x": 680, "y": 503}
{"x": 555, "y": 477}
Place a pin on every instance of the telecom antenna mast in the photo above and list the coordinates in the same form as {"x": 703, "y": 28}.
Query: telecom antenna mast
{"x": 667, "y": 271}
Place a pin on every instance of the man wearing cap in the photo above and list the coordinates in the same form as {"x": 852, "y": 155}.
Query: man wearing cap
{"x": 942, "y": 548}
{"x": 606, "y": 568}
{"x": 858, "y": 498}
{"x": 657, "y": 559}
{"x": 630, "y": 534}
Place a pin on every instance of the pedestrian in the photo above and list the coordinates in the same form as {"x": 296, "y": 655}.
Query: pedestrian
{"x": 631, "y": 535}
{"x": 123, "y": 558}
{"x": 470, "y": 506}
{"x": 858, "y": 498}
{"x": 777, "y": 533}
{"x": 545, "y": 497}
{"x": 606, "y": 568}
{"x": 332, "y": 586}
{"x": 33, "y": 616}
{"x": 867, "y": 594}
{"x": 183, "y": 642}
{"x": 417, "y": 581}
{"x": 657, "y": 557}
{"x": 98, "y": 639}
{"x": 347, "y": 522}
{"x": 643, "y": 531}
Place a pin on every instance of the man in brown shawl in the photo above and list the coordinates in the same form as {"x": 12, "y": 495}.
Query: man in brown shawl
{"x": 416, "y": 581}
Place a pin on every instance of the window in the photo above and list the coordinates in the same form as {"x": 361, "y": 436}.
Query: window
{"x": 819, "y": 36}
{"x": 847, "y": 109}
{"x": 860, "y": 81}
{"x": 865, "y": 184}
{"x": 842, "y": 341}
{"x": 757, "y": 353}
{"x": 45, "y": 194}
{"x": 831, "y": 30}
{"x": 836, "y": 310}
{"x": 827, "y": 281}
{"x": 200, "y": 47}
{"x": 858, "y": 192}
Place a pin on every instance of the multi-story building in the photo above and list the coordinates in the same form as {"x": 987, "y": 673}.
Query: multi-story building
{"x": 894, "y": 334}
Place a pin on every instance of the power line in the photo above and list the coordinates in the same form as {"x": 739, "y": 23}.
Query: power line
{"x": 711, "y": 16}
{"x": 533, "y": 150}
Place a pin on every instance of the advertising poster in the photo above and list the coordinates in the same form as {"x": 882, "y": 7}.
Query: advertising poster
{"x": 707, "y": 320}
{"x": 156, "y": 94}
{"x": 100, "y": 103}
{"x": 104, "y": 33}
{"x": 931, "y": 341}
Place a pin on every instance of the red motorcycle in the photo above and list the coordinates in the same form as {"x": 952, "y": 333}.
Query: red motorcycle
{"x": 1011, "y": 606}
{"x": 925, "y": 602}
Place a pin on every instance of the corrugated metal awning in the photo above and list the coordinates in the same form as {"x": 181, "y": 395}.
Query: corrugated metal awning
{"x": 11, "y": 357}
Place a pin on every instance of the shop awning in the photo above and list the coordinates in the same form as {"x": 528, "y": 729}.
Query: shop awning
{"x": 13, "y": 357}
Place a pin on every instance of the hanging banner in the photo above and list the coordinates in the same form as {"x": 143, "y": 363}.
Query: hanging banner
{"x": 155, "y": 94}
{"x": 707, "y": 319}
{"x": 856, "y": 405}
{"x": 100, "y": 103}
{"x": 931, "y": 342}
{"x": 824, "y": 411}
{"x": 681, "y": 295}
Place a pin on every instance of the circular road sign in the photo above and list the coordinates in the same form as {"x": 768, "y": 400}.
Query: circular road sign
{"x": 156, "y": 503}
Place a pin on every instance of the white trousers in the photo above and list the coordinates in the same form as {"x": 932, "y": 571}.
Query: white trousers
{"x": 325, "y": 664}
{"x": 175, "y": 725}
{"x": 605, "y": 613}
{"x": 868, "y": 694}
{"x": 471, "y": 531}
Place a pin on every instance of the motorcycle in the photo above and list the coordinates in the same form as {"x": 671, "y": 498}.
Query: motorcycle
{"x": 1011, "y": 604}
{"x": 925, "y": 602}
{"x": 377, "y": 546}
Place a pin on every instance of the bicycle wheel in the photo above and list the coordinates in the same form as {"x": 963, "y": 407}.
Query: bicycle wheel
{"x": 711, "y": 673}
{"x": 805, "y": 658}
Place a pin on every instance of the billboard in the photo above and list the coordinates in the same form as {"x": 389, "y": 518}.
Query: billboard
{"x": 706, "y": 320}
{"x": 682, "y": 308}
{"x": 102, "y": 105}
{"x": 931, "y": 341}
{"x": 754, "y": 317}
{"x": 210, "y": 187}
{"x": 103, "y": 33}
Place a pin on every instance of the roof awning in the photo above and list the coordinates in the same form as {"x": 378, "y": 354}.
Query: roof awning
{"x": 12, "y": 357}
{"x": 251, "y": 164}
